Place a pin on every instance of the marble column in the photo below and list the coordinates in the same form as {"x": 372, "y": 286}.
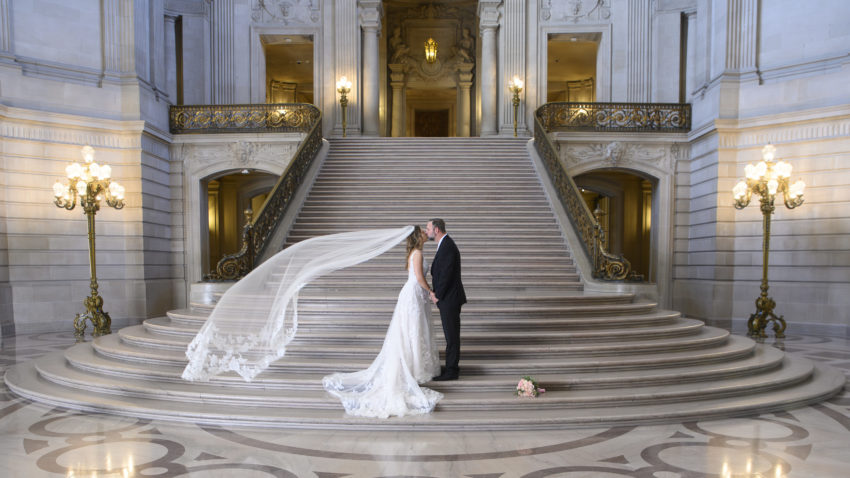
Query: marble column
{"x": 118, "y": 48}
{"x": 488, "y": 14}
{"x": 397, "y": 84}
{"x": 464, "y": 84}
{"x": 370, "y": 21}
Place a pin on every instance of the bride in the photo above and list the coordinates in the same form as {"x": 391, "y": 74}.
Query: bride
{"x": 390, "y": 386}
{"x": 257, "y": 317}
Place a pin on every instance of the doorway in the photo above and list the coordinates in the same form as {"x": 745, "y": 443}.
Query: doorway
{"x": 289, "y": 68}
{"x": 571, "y": 67}
{"x": 624, "y": 202}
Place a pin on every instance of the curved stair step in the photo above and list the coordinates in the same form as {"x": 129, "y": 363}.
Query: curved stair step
{"x": 24, "y": 380}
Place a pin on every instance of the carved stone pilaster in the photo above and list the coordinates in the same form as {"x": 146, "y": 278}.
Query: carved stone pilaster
{"x": 515, "y": 60}
{"x": 346, "y": 62}
{"x": 222, "y": 30}
{"x": 6, "y": 43}
{"x": 489, "y": 15}
{"x": 370, "y": 21}
{"x": 741, "y": 35}
{"x": 638, "y": 66}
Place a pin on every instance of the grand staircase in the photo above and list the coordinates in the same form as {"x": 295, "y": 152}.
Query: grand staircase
{"x": 604, "y": 359}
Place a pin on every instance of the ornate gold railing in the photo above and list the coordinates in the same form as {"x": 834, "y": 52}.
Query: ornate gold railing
{"x": 606, "y": 266}
{"x": 615, "y": 117}
{"x": 252, "y": 118}
{"x": 269, "y": 118}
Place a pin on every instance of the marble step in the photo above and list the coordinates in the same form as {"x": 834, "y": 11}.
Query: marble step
{"x": 733, "y": 348}
{"x": 370, "y": 306}
{"x": 500, "y": 396}
{"x": 374, "y": 335}
{"x": 761, "y": 359}
{"x": 694, "y": 338}
{"x": 195, "y": 317}
{"x": 24, "y": 380}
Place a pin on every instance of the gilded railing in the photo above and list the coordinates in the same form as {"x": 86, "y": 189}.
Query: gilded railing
{"x": 615, "y": 117}
{"x": 253, "y": 118}
{"x": 606, "y": 266}
{"x": 270, "y": 118}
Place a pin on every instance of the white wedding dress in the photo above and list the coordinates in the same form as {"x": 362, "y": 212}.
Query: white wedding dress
{"x": 409, "y": 356}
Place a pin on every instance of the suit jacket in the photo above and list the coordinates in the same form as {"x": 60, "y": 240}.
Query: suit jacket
{"x": 445, "y": 274}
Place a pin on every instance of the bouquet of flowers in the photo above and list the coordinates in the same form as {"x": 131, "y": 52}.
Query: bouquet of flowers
{"x": 527, "y": 387}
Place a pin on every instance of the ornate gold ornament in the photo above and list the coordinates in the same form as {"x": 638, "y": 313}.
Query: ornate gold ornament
{"x": 515, "y": 86}
{"x": 90, "y": 182}
{"x": 277, "y": 117}
{"x": 561, "y": 116}
{"x": 767, "y": 179}
{"x": 343, "y": 87}
{"x": 430, "y": 50}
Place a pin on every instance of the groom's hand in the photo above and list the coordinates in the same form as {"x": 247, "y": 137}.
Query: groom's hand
{"x": 433, "y": 297}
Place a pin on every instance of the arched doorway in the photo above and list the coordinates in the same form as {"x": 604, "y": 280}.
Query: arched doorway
{"x": 623, "y": 200}
{"x": 229, "y": 195}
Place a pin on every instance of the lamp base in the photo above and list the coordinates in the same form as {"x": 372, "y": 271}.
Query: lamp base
{"x": 94, "y": 312}
{"x": 759, "y": 319}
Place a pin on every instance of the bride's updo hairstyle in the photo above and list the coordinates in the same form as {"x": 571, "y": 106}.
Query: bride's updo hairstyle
{"x": 414, "y": 241}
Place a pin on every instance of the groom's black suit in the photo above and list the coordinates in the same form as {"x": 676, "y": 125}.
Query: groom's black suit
{"x": 445, "y": 276}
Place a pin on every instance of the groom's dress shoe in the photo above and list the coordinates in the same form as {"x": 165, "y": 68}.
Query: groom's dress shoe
{"x": 444, "y": 378}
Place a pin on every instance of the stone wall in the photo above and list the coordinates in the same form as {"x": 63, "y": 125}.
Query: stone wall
{"x": 753, "y": 86}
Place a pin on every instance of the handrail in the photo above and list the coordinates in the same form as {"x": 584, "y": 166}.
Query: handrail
{"x": 252, "y": 118}
{"x": 259, "y": 118}
{"x": 606, "y": 266}
{"x": 615, "y": 117}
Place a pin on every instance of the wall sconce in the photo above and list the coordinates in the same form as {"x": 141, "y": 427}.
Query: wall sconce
{"x": 516, "y": 87}
{"x": 430, "y": 50}
{"x": 767, "y": 179}
{"x": 90, "y": 182}
{"x": 343, "y": 87}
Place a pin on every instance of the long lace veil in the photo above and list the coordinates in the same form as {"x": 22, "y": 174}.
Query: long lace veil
{"x": 257, "y": 317}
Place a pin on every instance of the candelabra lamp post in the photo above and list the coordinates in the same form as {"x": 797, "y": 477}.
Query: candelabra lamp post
{"x": 343, "y": 87}
{"x": 516, "y": 87}
{"x": 91, "y": 183}
{"x": 767, "y": 179}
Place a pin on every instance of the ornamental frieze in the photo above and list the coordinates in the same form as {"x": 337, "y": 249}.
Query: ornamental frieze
{"x": 288, "y": 12}
{"x": 576, "y": 11}
{"x": 618, "y": 154}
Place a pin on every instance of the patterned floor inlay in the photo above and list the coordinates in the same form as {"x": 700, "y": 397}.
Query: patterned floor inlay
{"x": 40, "y": 441}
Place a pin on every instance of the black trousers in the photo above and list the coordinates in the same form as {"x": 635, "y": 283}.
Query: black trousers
{"x": 450, "y": 317}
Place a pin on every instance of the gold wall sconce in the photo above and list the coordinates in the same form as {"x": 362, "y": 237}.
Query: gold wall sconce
{"x": 430, "y": 50}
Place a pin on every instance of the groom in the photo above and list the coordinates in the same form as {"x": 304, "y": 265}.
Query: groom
{"x": 447, "y": 293}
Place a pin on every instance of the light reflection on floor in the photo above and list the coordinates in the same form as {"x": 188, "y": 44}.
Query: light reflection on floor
{"x": 37, "y": 441}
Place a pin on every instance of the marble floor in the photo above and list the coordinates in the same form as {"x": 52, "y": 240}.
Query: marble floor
{"x": 37, "y": 441}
